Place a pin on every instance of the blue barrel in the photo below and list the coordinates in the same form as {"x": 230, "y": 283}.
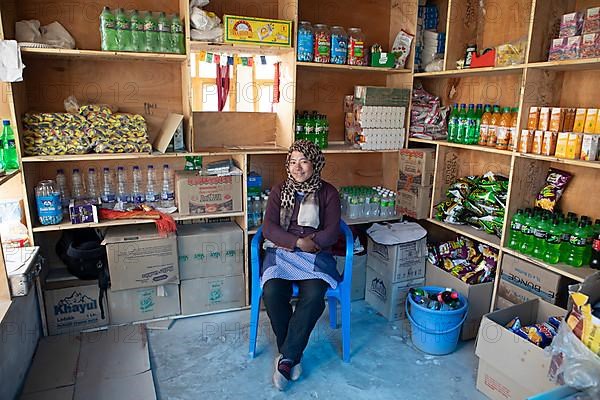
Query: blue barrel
{"x": 435, "y": 331}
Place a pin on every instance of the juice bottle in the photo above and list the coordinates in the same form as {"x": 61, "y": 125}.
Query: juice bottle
{"x": 462, "y": 124}
{"x": 493, "y": 126}
{"x": 503, "y": 130}
{"x": 453, "y": 124}
{"x": 486, "y": 118}
{"x": 514, "y": 135}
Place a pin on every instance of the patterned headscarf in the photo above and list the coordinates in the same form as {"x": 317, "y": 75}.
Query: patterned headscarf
{"x": 291, "y": 186}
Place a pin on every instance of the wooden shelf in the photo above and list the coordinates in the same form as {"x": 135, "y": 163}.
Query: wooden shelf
{"x": 578, "y": 274}
{"x": 352, "y": 68}
{"x": 102, "y": 55}
{"x": 237, "y": 48}
{"x": 371, "y": 220}
{"x": 107, "y": 223}
{"x": 342, "y": 147}
{"x": 121, "y": 156}
{"x": 464, "y": 146}
{"x": 568, "y": 65}
{"x": 513, "y": 69}
{"x": 8, "y": 175}
{"x": 470, "y": 232}
{"x": 579, "y": 163}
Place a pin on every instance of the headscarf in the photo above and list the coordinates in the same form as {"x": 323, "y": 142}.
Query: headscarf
{"x": 291, "y": 186}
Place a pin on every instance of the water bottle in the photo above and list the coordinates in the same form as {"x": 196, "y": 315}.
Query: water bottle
{"x": 137, "y": 197}
{"x": 108, "y": 189}
{"x": 249, "y": 212}
{"x": 167, "y": 195}
{"x": 93, "y": 195}
{"x": 265, "y": 201}
{"x": 77, "y": 188}
{"x": 256, "y": 211}
{"x": 61, "y": 185}
{"x": 376, "y": 204}
{"x": 122, "y": 195}
{"x": 151, "y": 187}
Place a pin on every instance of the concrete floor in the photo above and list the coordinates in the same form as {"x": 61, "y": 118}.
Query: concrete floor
{"x": 206, "y": 357}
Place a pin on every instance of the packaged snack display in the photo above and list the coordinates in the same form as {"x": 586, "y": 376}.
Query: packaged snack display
{"x": 511, "y": 53}
{"x": 428, "y": 116}
{"x": 571, "y": 24}
{"x": 557, "y": 49}
{"x": 540, "y": 334}
{"x": 592, "y": 20}
{"x": 590, "y": 45}
{"x": 556, "y": 182}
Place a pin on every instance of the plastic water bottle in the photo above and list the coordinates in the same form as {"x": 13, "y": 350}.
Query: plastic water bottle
{"x": 375, "y": 204}
{"x": 151, "y": 31}
{"x": 108, "y": 30}
{"x": 137, "y": 197}
{"x": 138, "y": 37}
{"x": 177, "y": 38}
{"x": 122, "y": 195}
{"x": 151, "y": 187}
{"x": 92, "y": 187}
{"x": 124, "y": 36}
{"x": 108, "y": 189}
{"x": 61, "y": 186}
{"x": 249, "y": 211}
{"x": 164, "y": 33}
{"x": 167, "y": 195}
{"x": 256, "y": 211}
{"x": 77, "y": 188}
{"x": 265, "y": 201}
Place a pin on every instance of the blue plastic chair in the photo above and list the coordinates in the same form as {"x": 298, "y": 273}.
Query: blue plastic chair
{"x": 341, "y": 293}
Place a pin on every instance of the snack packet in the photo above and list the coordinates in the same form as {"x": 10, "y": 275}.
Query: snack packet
{"x": 556, "y": 182}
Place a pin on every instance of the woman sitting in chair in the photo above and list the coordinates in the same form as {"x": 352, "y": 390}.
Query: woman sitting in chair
{"x": 300, "y": 226}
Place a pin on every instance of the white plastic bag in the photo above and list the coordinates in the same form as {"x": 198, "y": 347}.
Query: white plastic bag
{"x": 204, "y": 21}
{"x": 56, "y": 35}
{"x": 214, "y": 35}
{"x": 28, "y": 31}
{"x": 198, "y": 3}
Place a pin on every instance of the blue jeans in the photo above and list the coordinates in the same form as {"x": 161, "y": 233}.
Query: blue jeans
{"x": 292, "y": 328}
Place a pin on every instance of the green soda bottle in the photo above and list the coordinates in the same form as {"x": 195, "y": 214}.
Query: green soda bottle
{"x": 151, "y": 31}
{"x": 108, "y": 31}
{"x": 124, "y": 35}
{"x": 553, "y": 243}
{"x": 299, "y": 128}
{"x": 138, "y": 36}
{"x": 567, "y": 227}
{"x": 9, "y": 155}
{"x": 471, "y": 125}
{"x": 540, "y": 235}
{"x": 164, "y": 33}
{"x": 515, "y": 230}
{"x": 597, "y": 227}
{"x": 578, "y": 245}
{"x": 326, "y": 133}
{"x": 2, "y": 149}
{"x": 453, "y": 124}
{"x": 463, "y": 124}
{"x": 319, "y": 131}
{"x": 589, "y": 241}
{"x": 177, "y": 37}
{"x": 478, "y": 115}
{"x": 527, "y": 228}
{"x": 309, "y": 127}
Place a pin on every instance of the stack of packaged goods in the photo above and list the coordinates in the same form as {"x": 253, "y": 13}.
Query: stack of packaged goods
{"x": 375, "y": 118}
{"x": 93, "y": 128}
{"x": 313, "y": 127}
{"x": 562, "y": 132}
{"x": 415, "y": 182}
{"x": 472, "y": 263}
{"x": 429, "y": 43}
{"x": 541, "y": 334}
{"x": 367, "y": 202}
{"x": 479, "y": 201}
{"x": 428, "y": 116}
{"x": 579, "y": 36}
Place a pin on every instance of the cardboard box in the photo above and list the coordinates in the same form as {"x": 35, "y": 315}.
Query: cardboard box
{"x": 74, "y": 308}
{"x": 544, "y": 121}
{"x": 526, "y": 141}
{"x": 213, "y": 249}
{"x": 402, "y": 262}
{"x": 479, "y": 297}
{"x": 580, "y": 116}
{"x": 139, "y": 257}
{"x": 502, "y": 303}
{"x": 514, "y": 294}
{"x": 172, "y": 128}
{"x": 414, "y": 200}
{"x": 589, "y": 147}
{"x": 381, "y": 96}
{"x": 590, "y": 120}
{"x": 143, "y": 304}
{"x": 537, "y": 280}
{"x": 574, "y": 146}
{"x": 359, "y": 275}
{"x": 523, "y": 367}
{"x": 538, "y": 141}
{"x": 549, "y": 143}
{"x": 417, "y": 166}
{"x": 208, "y": 194}
{"x": 211, "y": 294}
{"x": 562, "y": 142}
{"x": 388, "y": 298}
{"x": 261, "y": 31}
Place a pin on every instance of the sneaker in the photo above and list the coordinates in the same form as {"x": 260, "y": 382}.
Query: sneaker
{"x": 296, "y": 372}
{"x": 279, "y": 380}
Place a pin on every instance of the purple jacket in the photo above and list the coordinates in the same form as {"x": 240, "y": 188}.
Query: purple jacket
{"x": 329, "y": 220}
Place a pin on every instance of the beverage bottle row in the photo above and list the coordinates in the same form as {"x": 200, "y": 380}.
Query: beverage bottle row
{"x": 552, "y": 237}
{"x": 366, "y": 202}
{"x": 312, "y": 127}
{"x": 126, "y": 192}
{"x": 8, "y": 149}
{"x": 256, "y": 208}
{"x": 141, "y": 32}
{"x": 484, "y": 126}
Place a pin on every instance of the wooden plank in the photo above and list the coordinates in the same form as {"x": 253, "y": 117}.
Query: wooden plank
{"x": 222, "y": 129}
{"x": 101, "y": 55}
{"x": 567, "y": 65}
{"x": 8, "y": 176}
{"x": 461, "y": 30}
{"x": 484, "y": 71}
{"x": 285, "y": 109}
{"x": 81, "y": 17}
{"x": 237, "y": 48}
{"x": 245, "y": 8}
{"x": 354, "y": 169}
{"x": 470, "y": 232}
{"x": 354, "y": 68}
{"x": 150, "y": 89}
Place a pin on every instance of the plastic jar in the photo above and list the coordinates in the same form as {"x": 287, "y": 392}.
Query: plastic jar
{"x": 356, "y": 47}
{"x": 339, "y": 45}
{"x": 47, "y": 198}
{"x": 322, "y": 44}
{"x": 306, "y": 42}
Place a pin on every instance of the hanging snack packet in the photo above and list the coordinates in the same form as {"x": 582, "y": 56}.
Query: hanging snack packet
{"x": 556, "y": 181}
{"x": 401, "y": 48}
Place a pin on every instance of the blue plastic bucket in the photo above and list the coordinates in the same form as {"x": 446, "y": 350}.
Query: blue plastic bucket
{"x": 434, "y": 331}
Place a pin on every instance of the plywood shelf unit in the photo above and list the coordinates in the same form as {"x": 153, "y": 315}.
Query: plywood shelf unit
{"x": 576, "y": 273}
{"x": 101, "y": 55}
{"x": 356, "y": 68}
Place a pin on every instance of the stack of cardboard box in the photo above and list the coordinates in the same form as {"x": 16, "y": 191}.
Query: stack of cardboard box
{"x": 415, "y": 182}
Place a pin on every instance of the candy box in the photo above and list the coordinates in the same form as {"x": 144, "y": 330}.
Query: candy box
{"x": 590, "y": 45}
{"x": 261, "y": 31}
{"x": 572, "y": 49}
{"x": 557, "y": 48}
{"x": 571, "y": 24}
{"x": 83, "y": 213}
{"x": 592, "y": 20}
